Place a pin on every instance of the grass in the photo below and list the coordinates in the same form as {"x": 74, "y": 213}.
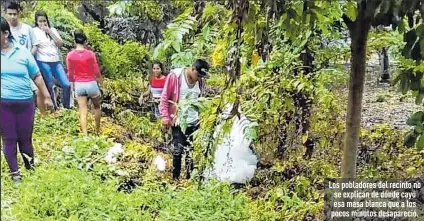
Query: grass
{"x": 80, "y": 185}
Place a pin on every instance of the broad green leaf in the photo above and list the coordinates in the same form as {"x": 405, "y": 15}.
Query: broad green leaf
{"x": 410, "y": 139}
{"x": 176, "y": 46}
{"x": 296, "y": 83}
{"x": 419, "y": 98}
{"x": 422, "y": 82}
{"x": 320, "y": 17}
{"x": 206, "y": 31}
{"x": 351, "y": 10}
{"x": 420, "y": 142}
{"x": 419, "y": 68}
{"x": 157, "y": 50}
{"x": 416, "y": 118}
{"x": 300, "y": 87}
{"x": 419, "y": 128}
{"x": 397, "y": 79}
{"x": 304, "y": 137}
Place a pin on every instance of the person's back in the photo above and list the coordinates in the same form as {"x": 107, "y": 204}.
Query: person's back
{"x": 83, "y": 66}
{"x": 84, "y": 75}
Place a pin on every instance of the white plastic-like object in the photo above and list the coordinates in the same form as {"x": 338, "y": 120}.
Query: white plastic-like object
{"x": 114, "y": 151}
{"x": 234, "y": 161}
{"x": 159, "y": 163}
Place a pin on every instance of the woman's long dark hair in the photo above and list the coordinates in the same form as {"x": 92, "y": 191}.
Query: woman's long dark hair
{"x": 6, "y": 27}
{"x": 41, "y": 13}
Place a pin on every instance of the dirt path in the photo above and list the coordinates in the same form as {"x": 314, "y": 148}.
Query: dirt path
{"x": 383, "y": 103}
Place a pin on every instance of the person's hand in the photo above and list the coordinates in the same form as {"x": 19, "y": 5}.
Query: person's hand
{"x": 73, "y": 90}
{"x": 99, "y": 82}
{"x": 46, "y": 29}
{"x": 165, "y": 123}
{"x": 48, "y": 103}
{"x": 156, "y": 100}
{"x": 140, "y": 100}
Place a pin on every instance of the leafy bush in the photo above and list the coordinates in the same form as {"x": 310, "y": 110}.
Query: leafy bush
{"x": 118, "y": 61}
{"x": 123, "y": 93}
{"x": 417, "y": 135}
{"x": 382, "y": 154}
{"x": 55, "y": 193}
{"x": 140, "y": 126}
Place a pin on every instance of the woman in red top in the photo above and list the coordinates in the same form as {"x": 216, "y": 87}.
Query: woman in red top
{"x": 156, "y": 84}
{"x": 84, "y": 75}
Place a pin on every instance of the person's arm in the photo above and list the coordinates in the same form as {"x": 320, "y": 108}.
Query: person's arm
{"x": 34, "y": 73}
{"x": 149, "y": 89}
{"x": 70, "y": 68}
{"x": 149, "y": 86}
{"x": 143, "y": 95}
{"x": 55, "y": 36}
{"x": 34, "y": 41}
{"x": 39, "y": 81}
{"x": 34, "y": 50}
{"x": 164, "y": 100}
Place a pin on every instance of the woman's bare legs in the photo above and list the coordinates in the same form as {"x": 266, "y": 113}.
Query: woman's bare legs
{"x": 82, "y": 105}
{"x": 97, "y": 112}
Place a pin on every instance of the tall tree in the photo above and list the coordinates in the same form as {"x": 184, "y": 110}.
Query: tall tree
{"x": 358, "y": 31}
{"x": 374, "y": 13}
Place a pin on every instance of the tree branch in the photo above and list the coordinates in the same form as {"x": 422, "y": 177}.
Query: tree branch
{"x": 349, "y": 23}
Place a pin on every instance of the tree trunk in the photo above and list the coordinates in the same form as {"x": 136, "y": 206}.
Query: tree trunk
{"x": 358, "y": 31}
{"x": 385, "y": 76}
{"x": 359, "y": 35}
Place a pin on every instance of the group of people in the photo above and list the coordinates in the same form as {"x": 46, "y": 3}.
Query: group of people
{"x": 181, "y": 85}
{"x": 31, "y": 60}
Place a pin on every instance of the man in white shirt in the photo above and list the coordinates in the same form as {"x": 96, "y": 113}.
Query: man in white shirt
{"x": 183, "y": 86}
{"x": 24, "y": 37}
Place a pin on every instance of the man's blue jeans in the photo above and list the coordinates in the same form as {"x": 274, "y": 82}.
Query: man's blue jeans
{"x": 55, "y": 69}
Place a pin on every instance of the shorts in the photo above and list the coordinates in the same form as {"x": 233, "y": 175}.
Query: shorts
{"x": 87, "y": 89}
{"x": 33, "y": 86}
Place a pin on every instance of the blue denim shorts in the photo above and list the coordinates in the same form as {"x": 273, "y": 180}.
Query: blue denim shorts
{"x": 87, "y": 89}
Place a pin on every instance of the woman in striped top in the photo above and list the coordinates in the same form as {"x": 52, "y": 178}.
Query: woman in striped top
{"x": 156, "y": 84}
